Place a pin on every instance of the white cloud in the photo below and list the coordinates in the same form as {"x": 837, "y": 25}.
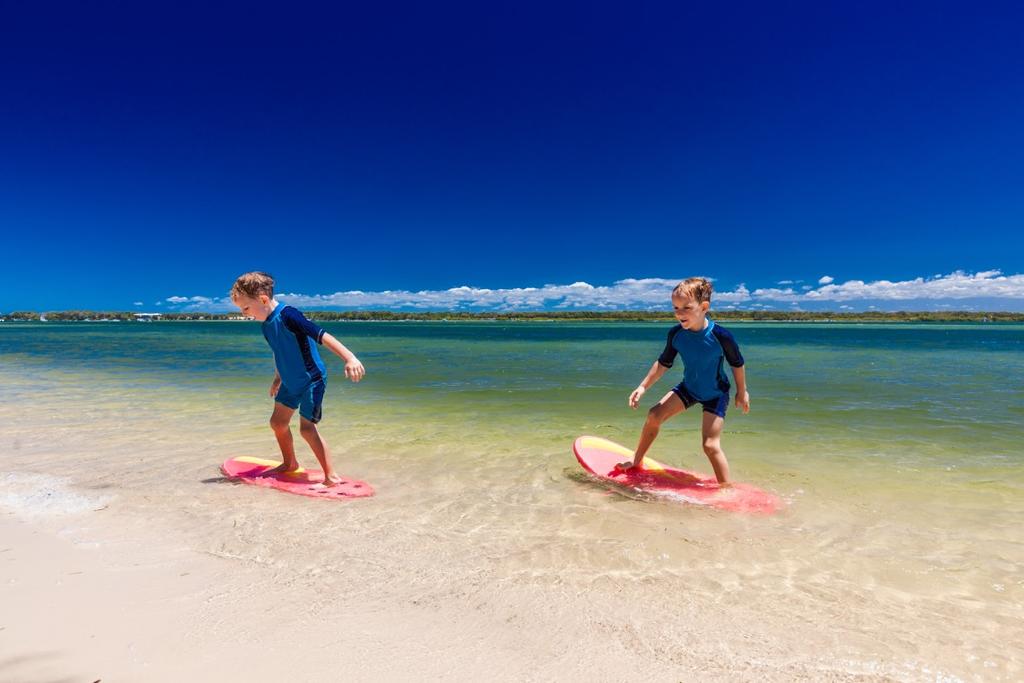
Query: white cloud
{"x": 826, "y": 280}
{"x": 138, "y": 303}
{"x": 631, "y": 293}
{"x": 189, "y": 299}
{"x": 739, "y": 294}
{"x": 957, "y": 285}
{"x": 774, "y": 294}
{"x": 653, "y": 294}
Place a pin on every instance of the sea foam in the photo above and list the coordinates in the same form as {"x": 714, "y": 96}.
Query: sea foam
{"x": 39, "y": 495}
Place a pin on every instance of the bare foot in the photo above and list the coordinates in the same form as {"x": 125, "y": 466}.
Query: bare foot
{"x": 283, "y": 468}
{"x": 726, "y": 491}
{"x": 333, "y": 480}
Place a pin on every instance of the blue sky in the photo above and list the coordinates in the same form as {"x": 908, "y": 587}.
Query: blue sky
{"x": 469, "y": 155}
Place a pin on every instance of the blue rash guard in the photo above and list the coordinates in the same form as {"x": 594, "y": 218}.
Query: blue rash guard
{"x": 303, "y": 374}
{"x": 704, "y": 378}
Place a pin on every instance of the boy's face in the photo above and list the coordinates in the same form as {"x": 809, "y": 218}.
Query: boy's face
{"x": 258, "y": 308}
{"x": 689, "y": 312}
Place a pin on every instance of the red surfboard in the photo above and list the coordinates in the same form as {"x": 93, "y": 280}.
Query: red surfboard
{"x": 601, "y": 458}
{"x": 301, "y": 482}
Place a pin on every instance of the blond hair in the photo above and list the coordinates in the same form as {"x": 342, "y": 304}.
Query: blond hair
{"x": 253, "y": 284}
{"x": 696, "y": 288}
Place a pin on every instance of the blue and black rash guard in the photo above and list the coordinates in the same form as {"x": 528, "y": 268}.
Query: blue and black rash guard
{"x": 702, "y": 353}
{"x": 289, "y": 334}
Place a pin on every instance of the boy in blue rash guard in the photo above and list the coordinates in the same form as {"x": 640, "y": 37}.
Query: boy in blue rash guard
{"x": 703, "y": 345}
{"x": 300, "y": 377}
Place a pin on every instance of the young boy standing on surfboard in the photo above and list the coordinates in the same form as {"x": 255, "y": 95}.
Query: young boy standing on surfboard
{"x": 703, "y": 345}
{"x": 300, "y": 377}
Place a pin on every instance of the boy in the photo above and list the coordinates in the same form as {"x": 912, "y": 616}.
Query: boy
{"x": 702, "y": 345}
{"x": 300, "y": 377}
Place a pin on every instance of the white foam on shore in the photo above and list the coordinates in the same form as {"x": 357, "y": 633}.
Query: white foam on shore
{"x": 40, "y": 495}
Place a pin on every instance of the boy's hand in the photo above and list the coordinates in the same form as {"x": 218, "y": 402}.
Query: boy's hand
{"x": 743, "y": 401}
{"x": 634, "y": 398}
{"x": 274, "y": 386}
{"x": 354, "y": 370}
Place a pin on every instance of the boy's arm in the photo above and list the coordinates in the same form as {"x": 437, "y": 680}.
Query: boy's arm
{"x": 354, "y": 369}
{"x": 653, "y": 375}
{"x": 742, "y": 397}
{"x": 299, "y": 324}
{"x": 731, "y": 350}
{"x": 663, "y": 363}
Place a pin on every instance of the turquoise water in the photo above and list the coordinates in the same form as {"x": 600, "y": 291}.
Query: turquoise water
{"x": 897, "y": 448}
{"x": 929, "y": 397}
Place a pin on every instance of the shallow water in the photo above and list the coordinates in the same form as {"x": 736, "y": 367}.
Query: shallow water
{"x": 896, "y": 448}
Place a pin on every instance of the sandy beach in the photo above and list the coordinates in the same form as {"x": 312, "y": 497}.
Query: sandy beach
{"x": 121, "y": 610}
{"x": 95, "y": 604}
{"x": 486, "y": 552}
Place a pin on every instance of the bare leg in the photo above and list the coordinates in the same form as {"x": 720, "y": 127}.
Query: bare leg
{"x": 323, "y": 454}
{"x": 711, "y": 432}
{"x": 279, "y": 423}
{"x": 670, "y": 405}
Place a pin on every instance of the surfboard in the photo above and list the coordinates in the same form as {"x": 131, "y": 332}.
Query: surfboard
{"x": 601, "y": 457}
{"x": 301, "y": 482}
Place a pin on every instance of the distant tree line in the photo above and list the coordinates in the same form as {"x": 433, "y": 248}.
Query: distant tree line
{"x": 624, "y": 316}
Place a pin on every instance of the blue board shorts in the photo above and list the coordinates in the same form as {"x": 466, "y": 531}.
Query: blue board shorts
{"x": 308, "y": 400}
{"x": 716, "y": 406}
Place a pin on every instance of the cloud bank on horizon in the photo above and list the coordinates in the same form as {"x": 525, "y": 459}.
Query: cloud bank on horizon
{"x": 985, "y": 290}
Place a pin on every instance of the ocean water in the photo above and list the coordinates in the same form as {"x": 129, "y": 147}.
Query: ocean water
{"x": 897, "y": 449}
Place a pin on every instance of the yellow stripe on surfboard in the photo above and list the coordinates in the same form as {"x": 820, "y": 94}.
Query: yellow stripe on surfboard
{"x": 650, "y": 464}
{"x": 598, "y": 443}
{"x": 263, "y": 461}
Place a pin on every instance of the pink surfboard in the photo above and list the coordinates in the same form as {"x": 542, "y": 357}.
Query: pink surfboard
{"x": 301, "y": 482}
{"x": 601, "y": 458}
